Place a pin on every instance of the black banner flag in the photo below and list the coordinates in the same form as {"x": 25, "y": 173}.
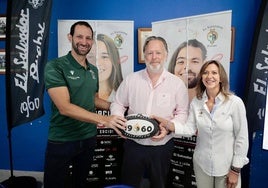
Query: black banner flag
{"x": 26, "y": 54}
{"x": 258, "y": 73}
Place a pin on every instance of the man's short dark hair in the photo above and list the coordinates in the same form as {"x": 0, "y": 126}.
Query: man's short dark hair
{"x": 84, "y": 23}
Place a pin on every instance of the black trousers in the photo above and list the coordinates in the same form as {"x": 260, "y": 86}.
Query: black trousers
{"x": 150, "y": 161}
{"x": 60, "y": 155}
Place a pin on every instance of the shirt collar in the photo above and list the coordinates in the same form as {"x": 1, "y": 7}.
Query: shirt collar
{"x": 162, "y": 76}
{"x": 75, "y": 63}
{"x": 219, "y": 98}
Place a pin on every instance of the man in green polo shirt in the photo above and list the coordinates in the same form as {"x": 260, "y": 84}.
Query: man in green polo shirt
{"x": 72, "y": 84}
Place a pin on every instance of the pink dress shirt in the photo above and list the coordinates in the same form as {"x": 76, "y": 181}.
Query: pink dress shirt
{"x": 167, "y": 99}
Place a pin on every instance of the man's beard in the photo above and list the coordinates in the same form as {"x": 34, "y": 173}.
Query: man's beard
{"x": 79, "y": 52}
{"x": 155, "y": 69}
{"x": 192, "y": 83}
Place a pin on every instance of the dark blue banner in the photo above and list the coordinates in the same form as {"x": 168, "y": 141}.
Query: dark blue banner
{"x": 258, "y": 73}
{"x": 26, "y": 50}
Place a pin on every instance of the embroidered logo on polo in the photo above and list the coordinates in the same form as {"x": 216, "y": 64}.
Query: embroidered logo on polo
{"x": 93, "y": 74}
{"x": 72, "y": 76}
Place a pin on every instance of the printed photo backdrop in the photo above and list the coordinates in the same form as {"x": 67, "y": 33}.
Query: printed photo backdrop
{"x": 121, "y": 32}
{"x": 213, "y": 30}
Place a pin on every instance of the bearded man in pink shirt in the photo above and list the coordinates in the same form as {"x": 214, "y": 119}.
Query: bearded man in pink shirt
{"x": 151, "y": 91}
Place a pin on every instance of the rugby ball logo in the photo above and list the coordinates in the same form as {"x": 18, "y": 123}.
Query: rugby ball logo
{"x": 139, "y": 126}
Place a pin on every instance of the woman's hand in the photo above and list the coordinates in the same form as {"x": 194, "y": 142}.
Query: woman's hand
{"x": 232, "y": 179}
{"x": 168, "y": 125}
{"x": 161, "y": 134}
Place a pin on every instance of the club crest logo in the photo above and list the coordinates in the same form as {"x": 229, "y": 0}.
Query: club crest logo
{"x": 212, "y": 36}
{"x": 118, "y": 40}
{"x": 36, "y": 3}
